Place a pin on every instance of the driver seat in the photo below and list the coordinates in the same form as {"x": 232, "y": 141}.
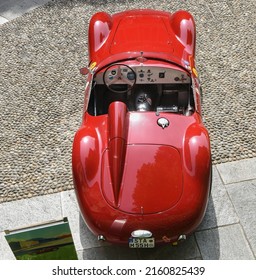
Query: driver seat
{"x": 151, "y": 91}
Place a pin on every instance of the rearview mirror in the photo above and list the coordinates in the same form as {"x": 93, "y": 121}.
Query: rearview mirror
{"x": 84, "y": 71}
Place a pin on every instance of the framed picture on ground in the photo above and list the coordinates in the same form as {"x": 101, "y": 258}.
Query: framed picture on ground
{"x": 49, "y": 241}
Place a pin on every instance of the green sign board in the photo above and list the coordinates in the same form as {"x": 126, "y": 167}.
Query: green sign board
{"x": 50, "y": 241}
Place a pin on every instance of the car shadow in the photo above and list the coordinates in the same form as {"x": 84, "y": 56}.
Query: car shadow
{"x": 207, "y": 234}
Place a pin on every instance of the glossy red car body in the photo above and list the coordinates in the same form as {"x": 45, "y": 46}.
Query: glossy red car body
{"x": 141, "y": 158}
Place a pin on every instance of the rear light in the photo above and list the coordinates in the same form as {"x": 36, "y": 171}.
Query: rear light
{"x": 141, "y": 233}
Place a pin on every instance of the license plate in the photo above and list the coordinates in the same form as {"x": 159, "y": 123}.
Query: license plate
{"x": 141, "y": 242}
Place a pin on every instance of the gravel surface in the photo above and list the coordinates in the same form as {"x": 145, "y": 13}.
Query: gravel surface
{"x": 42, "y": 91}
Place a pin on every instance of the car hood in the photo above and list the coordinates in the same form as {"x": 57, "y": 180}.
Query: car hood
{"x": 154, "y": 33}
{"x": 140, "y": 32}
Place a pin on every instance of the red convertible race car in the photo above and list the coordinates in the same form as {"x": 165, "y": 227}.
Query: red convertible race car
{"x": 141, "y": 159}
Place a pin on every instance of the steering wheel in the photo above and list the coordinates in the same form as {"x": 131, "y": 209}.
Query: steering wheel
{"x": 119, "y": 74}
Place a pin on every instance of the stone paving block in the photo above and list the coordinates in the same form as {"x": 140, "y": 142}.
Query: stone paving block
{"x": 237, "y": 171}
{"x": 5, "y": 251}
{"x": 220, "y": 210}
{"x": 83, "y": 238}
{"x": 224, "y": 243}
{"x": 3, "y": 20}
{"x": 80, "y": 254}
{"x": 41, "y": 2}
{"x": 112, "y": 252}
{"x": 186, "y": 250}
{"x": 28, "y": 212}
{"x": 243, "y": 196}
{"x": 11, "y": 9}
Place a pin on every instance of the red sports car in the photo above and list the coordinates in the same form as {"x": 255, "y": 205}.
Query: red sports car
{"x": 141, "y": 158}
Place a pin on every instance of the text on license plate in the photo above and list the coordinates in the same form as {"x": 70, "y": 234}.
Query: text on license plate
{"x": 141, "y": 242}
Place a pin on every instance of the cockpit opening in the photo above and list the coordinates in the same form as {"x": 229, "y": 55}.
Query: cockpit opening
{"x": 173, "y": 98}
{"x": 142, "y": 89}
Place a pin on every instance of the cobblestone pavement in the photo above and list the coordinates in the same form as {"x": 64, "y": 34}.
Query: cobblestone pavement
{"x": 42, "y": 90}
{"x": 41, "y": 104}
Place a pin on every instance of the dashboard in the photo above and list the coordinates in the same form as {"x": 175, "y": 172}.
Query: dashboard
{"x": 124, "y": 74}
